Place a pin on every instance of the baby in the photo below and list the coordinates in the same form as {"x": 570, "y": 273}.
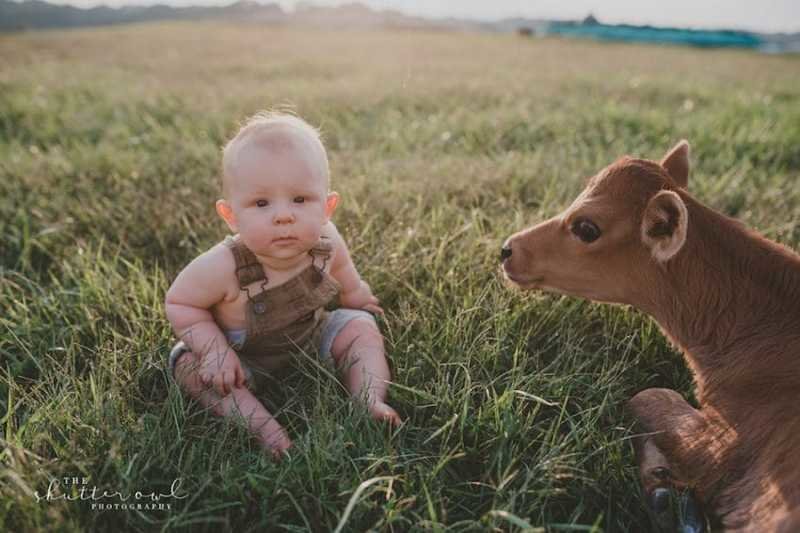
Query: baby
{"x": 244, "y": 306}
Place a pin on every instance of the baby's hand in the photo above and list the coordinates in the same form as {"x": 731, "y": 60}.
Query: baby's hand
{"x": 223, "y": 371}
{"x": 361, "y": 298}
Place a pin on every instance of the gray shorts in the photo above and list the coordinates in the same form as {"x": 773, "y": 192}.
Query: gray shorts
{"x": 332, "y": 324}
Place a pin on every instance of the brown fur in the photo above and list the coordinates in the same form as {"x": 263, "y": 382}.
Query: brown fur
{"x": 727, "y": 297}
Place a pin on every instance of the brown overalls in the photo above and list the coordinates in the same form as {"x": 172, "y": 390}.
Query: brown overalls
{"x": 288, "y": 316}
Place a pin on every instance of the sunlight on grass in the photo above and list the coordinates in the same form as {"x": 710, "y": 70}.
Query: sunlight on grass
{"x": 441, "y": 144}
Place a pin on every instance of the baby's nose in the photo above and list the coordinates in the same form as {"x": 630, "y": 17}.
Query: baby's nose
{"x": 283, "y": 218}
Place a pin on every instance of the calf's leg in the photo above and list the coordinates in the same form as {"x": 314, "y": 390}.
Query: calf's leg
{"x": 670, "y": 431}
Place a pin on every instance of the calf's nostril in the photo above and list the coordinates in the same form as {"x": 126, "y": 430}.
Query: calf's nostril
{"x": 505, "y": 253}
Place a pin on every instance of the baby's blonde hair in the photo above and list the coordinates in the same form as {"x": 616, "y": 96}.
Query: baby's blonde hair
{"x": 275, "y": 131}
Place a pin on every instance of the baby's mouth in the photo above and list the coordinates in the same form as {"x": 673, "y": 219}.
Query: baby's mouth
{"x": 280, "y": 240}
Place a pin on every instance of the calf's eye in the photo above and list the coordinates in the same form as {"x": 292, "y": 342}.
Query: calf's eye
{"x": 585, "y": 230}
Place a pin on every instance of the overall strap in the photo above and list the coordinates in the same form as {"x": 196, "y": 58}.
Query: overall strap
{"x": 248, "y": 269}
{"x": 322, "y": 249}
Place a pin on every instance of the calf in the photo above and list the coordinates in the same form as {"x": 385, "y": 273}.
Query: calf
{"x": 728, "y": 298}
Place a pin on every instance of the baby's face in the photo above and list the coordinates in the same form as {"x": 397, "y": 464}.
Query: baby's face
{"x": 279, "y": 201}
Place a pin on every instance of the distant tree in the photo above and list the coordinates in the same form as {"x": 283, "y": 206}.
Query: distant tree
{"x": 590, "y": 20}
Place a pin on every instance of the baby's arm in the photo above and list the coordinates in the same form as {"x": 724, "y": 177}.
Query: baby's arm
{"x": 188, "y": 302}
{"x": 355, "y": 292}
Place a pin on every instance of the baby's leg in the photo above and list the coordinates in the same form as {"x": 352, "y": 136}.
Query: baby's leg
{"x": 240, "y": 402}
{"x": 358, "y": 352}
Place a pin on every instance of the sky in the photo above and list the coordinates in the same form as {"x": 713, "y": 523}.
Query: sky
{"x": 757, "y": 15}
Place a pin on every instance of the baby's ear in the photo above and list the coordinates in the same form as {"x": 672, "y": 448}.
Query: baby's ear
{"x": 226, "y": 212}
{"x": 331, "y": 203}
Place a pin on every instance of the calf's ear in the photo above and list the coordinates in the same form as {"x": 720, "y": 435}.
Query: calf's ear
{"x": 676, "y": 163}
{"x": 664, "y": 225}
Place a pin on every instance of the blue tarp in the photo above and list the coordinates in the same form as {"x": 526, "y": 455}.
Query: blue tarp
{"x": 623, "y": 32}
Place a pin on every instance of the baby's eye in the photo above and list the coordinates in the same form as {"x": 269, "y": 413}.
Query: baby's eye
{"x": 299, "y": 199}
{"x": 262, "y": 203}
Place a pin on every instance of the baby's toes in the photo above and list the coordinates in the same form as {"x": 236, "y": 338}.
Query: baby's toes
{"x": 279, "y": 448}
{"x": 276, "y": 442}
{"x": 382, "y": 411}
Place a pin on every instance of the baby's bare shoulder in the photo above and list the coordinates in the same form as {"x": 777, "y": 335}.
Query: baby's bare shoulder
{"x": 219, "y": 261}
{"x": 208, "y": 279}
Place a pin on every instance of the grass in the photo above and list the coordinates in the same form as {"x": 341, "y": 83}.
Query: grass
{"x": 441, "y": 144}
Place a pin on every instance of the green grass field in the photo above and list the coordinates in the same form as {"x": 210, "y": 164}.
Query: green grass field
{"x": 441, "y": 145}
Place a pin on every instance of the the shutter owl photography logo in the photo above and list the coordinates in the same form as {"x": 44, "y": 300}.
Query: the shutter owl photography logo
{"x": 81, "y": 489}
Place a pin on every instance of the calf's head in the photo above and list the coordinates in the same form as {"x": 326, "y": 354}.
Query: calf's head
{"x": 607, "y": 246}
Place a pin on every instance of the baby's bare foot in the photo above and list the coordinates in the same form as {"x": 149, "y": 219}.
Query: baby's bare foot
{"x": 276, "y": 442}
{"x": 382, "y": 411}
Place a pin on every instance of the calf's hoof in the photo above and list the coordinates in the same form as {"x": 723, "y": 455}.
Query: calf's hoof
{"x": 675, "y": 512}
{"x": 690, "y": 516}
{"x": 659, "y": 502}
